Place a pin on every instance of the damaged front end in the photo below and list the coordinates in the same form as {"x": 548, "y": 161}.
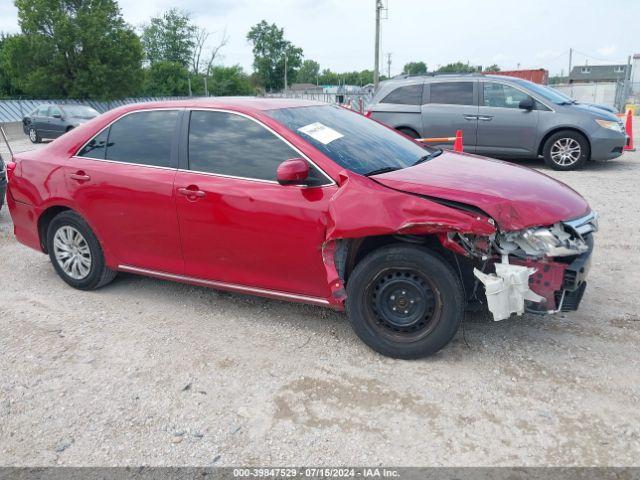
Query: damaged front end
{"x": 540, "y": 269}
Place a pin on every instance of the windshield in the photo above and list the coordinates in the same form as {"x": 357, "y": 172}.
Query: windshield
{"x": 350, "y": 139}
{"x": 80, "y": 111}
{"x": 546, "y": 92}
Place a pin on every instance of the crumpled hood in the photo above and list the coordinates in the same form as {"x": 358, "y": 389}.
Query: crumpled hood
{"x": 515, "y": 197}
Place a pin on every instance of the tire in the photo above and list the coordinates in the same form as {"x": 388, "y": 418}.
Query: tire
{"x": 398, "y": 277}
{"x": 88, "y": 274}
{"x": 34, "y": 136}
{"x": 409, "y": 132}
{"x": 566, "y": 150}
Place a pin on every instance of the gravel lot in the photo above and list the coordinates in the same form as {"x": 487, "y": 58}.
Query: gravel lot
{"x": 157, "y": 373}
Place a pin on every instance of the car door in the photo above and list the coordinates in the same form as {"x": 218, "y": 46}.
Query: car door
{"x": 238, "y": 225}
{"x": 41, "y": 119}
{"x": 122, "y": 184}
{"x": 504, "y": 129}
{"x": 56, "y": 123}
{"x": 449, "y": 106}
{"x": 401, "y": 109}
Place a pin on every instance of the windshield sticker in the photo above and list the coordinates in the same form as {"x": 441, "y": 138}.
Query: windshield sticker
{"x": 321, "y": 133}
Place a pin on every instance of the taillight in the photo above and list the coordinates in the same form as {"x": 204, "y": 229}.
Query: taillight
{"x": 11, "y": 166}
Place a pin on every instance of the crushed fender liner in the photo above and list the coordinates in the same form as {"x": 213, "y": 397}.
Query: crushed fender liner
{"x": 352, "y": 216}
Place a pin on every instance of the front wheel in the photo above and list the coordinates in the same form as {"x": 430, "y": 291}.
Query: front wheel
{"x": 76, "y": 254}
{"x": 566, "y": 150}
{"x": 34, "y": 136}
{"x": 404, "y": 301}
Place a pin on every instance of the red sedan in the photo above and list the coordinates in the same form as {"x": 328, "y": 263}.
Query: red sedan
{"x": 305, "y": 202}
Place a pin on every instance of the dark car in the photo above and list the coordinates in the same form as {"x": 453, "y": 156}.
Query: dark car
{"x": 51, "y": 121}
{"x": 3, "y": 181}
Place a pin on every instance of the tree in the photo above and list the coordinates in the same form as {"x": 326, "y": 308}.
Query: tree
{"x": 166, "y": 79}
{"x": 73, "y": 48}
{"x": 415, "y": 68}
{"x": 229, "y": 81}
{"x": 169, "y": 38}
{"x": 492, "y": 68}
{"x": 457, "y": 67}
{"x": 309, "y": 72}
{"x": 201, "y": 61}
{"x": 270, "y": 54}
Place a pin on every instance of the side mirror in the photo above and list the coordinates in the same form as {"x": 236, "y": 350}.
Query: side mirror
{"x": 293, "y": 172}
{"x": 527, "y": 104}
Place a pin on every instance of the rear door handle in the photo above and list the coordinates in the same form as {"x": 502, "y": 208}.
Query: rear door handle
{"x": 485, "y": 118}
{"x": 470, "y": 117}
{"x": 79, "y": 176}
{"x": 191, "y": 192}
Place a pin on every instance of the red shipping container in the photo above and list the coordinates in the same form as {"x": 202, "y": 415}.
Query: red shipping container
{"x": 540, "y": 75}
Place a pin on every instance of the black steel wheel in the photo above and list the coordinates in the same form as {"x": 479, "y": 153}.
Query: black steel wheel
{"x": 404, "y": 301}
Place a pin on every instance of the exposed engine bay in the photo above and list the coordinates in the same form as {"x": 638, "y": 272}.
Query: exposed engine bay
{"x": 539, "y": 269}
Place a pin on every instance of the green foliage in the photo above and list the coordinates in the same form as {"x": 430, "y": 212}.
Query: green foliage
{"x": 415, "y": 68}
{"x": 492, "y": 68}
{"x": 229, "y": 81}
{"x": 169, "y": 38}
{"x": 166, "y": 79}
{"x": 309, "y": 72}
{"x": 457, "y": 67}
{"x": 73, "y": 48}
{"x": 269, "y": 51}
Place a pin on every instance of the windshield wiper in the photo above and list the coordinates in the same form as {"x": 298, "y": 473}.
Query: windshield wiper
{"x": 428, "y": 157}
{"x": 378, "y": 171}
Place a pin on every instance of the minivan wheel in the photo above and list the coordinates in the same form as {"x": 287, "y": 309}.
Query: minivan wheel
{"x": 404, "y": 301}
{"x": 76, "y": 254}
{"x": 566, "y": 150}
{"x": 33, "y": 135}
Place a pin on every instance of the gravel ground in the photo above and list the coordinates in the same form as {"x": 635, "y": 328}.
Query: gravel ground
{"x": 157, "y": 373}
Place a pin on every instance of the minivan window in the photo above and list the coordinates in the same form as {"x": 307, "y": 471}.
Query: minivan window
{"x": 407, "y": 95}
{"x": 452, "y": 93}
{"x": 143, "y": 137}
{"x": 230, "y": 144}
{"x": 351, "y": 140}
{"x": 503, "y": 96}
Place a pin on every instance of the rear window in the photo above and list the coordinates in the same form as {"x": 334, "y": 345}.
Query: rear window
{"x": 407, "y": 95}
{"x": 452, "y": 93}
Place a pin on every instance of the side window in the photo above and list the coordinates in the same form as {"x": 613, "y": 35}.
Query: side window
{"x": 54, "y": 111}
{"x": 500, "y": 95}
{"x": 452, "y": 93}
{"x": 96, "y": 147}
{"x": 143, "y": 137}
{"x": 43, "y": 111}
{"x": 230, "y": 144}
{"x": 409, "y": 95}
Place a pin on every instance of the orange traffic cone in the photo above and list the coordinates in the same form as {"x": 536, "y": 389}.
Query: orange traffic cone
{"x": 457, "y": 145}
{"x": 629, "y": 128}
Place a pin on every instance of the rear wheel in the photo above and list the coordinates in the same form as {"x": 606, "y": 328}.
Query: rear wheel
{"x": 34, "y": 136}
{"x": 404, "y": 301}
{"x": 75, "y": 252}
{"x": 566, "y": 150}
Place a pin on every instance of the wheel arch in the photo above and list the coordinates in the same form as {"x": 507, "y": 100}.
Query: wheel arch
{"x": 400, "y": 128}
{"x": 555, "y": 130}
{"x": 44, "y": 220}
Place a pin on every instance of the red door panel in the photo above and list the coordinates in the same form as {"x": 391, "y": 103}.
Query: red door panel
{"x": 132, "y": 209}
{"x": 251, "y": 233}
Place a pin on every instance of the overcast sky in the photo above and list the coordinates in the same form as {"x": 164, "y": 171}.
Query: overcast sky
{"x": 339, "y": 33}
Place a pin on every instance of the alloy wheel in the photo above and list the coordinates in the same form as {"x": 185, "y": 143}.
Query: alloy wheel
{"x": 72, "y": 252}
{"x": 33, "y": 135}
{"x": 565, "y": 152}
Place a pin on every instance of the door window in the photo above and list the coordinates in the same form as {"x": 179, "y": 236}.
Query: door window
{"x": 54, "y": 111}
{"x": 452, "y": 93}
{"x": 501, "y": 95}
{"x": 233, "y": 145}
{"x": 43, "y": 111}
{"x": 97, "y": 146}
{"x": 408, "y": 95}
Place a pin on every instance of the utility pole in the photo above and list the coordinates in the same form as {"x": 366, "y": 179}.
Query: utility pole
{"x": 570, "y": 60}
{"x": 206, "y": 90}
{"x": 388, "y": 65}
{"x": 376, "y": 66}
{"x": 189, "y": 80}
{"x": 285, "y": 71}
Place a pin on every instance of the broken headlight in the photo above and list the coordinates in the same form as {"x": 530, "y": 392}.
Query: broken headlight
{"x": 552, "y": 241}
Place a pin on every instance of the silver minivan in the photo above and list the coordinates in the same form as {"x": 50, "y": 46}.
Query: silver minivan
{"x": 500, "y": 116}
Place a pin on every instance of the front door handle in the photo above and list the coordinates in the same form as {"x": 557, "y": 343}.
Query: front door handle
{"x": 191, "y": 191}
{"x": 470, "y": 117}
{"x": 79, "y": 176}
{"x": 485, "y": 118}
